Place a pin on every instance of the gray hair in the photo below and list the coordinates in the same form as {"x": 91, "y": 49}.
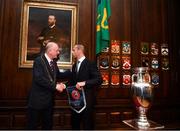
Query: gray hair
{"x": 49, "y": 46}
{"x": 80, "y": 47}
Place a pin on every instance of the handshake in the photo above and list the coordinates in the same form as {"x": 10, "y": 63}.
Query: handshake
{"x": 60, "y": 87}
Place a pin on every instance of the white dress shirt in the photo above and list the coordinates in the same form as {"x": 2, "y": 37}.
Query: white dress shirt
{"x": 48, "y": 59}
{"x": 80, "y": 61}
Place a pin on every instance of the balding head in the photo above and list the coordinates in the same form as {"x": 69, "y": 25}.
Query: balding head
{"x": 50, "y": 45}
{"x": 52, "y": 50}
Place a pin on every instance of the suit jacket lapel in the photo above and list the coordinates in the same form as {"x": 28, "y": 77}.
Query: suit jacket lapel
{"x": 48, "y": 67}
{"x": 81, "y": 66}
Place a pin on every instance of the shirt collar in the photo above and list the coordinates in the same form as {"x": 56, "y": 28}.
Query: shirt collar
{"x": 81, "y": 59}
{"x": 52, "y": 26}
{"x": 47, "y": 57}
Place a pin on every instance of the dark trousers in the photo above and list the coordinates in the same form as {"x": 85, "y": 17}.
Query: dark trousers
{"x": 35, "y": 115}
{"x": 86, "y": 117}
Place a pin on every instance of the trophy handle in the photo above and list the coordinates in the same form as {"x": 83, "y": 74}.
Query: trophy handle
{"x": 133, "y": 76}
{"x": 149, "y": 78}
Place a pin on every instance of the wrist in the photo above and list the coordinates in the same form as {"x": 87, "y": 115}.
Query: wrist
{"x": 64, "y": 86}
{"x": 84, "y": 83}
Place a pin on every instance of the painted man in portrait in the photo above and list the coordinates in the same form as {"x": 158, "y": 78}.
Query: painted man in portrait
{"x": 51, "y": 33}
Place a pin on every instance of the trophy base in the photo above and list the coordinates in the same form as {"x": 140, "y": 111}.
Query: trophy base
{"x": 152, "y": 125}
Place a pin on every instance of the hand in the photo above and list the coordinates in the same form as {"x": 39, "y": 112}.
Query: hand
{"x": 79, "y": 85}
{"x": 60, "y": 87}
{"x": 46, "y": 42}
{"x": 41, "y": 38}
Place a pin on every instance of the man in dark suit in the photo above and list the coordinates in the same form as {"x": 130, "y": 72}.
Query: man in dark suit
{"x": 51, "y": 33}
{"x": 85, "y": 75}
{"x": 44, "y": 85}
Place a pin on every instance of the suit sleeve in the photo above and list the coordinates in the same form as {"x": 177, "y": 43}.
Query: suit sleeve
{"x": 64, "y": 75}
{"x": 40, "y": 78}
{"x": 95, "y": 76}
{"x": 71, "y": 80}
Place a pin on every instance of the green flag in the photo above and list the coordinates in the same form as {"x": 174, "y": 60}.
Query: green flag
{"x": 102, "y": 27}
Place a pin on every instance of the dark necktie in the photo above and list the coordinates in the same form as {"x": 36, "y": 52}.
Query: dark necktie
{"x": 52, "y": 66}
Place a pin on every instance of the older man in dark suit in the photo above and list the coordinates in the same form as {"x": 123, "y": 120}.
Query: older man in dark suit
{"x": 85, "y": 74}
{"x": 44, "y": 85}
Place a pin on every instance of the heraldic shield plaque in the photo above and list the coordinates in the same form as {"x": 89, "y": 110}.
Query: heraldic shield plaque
{"x": 76, "y": 98}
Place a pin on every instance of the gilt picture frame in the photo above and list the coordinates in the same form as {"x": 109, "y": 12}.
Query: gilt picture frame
{"x": 34, "y": 18}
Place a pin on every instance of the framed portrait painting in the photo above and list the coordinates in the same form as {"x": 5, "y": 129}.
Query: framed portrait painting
{"x": 42, "y": 22}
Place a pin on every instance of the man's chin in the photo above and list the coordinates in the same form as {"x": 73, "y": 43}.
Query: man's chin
{"x": 57, "y": 56}
{"x": 56, "y": 59}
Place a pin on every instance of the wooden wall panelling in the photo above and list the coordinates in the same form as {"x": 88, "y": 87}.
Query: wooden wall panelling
{"x": 5, "y": 120}
{"x": 135, "y": 31}
{"x": 120, "y": 20}
{"x": 173, "y": 33}
{"x": 12, "y": 85}
{"x": 134, "y": 20}
{"x": 57, "y": 120}
{"x": 115, "y": 117}
{"x": 101, "y": 119}
{"x": 67, "y": 121}
{"x": 93, "y": 30}
{"x": 85, "y": 19}
{"x": 1, "y": 36}
{"x": 19, "y": 120}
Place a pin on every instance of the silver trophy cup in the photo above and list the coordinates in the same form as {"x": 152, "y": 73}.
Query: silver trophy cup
{"x": 142, "y": 95}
